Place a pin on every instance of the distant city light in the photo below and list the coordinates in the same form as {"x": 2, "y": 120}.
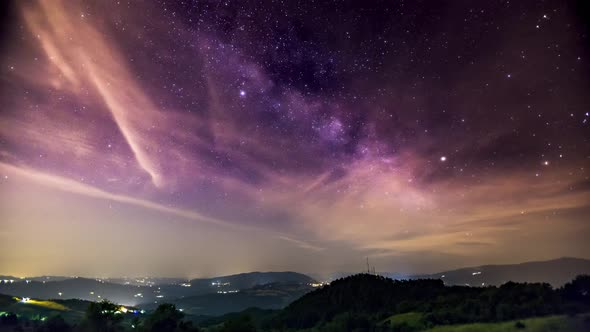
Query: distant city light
{"x": 319, "y": 284}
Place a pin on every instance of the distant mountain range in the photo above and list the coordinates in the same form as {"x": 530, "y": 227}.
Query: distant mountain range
{"x": 39, "y": 278}
{"x": 556, "y": 272}
{"x": 136, "y": 291}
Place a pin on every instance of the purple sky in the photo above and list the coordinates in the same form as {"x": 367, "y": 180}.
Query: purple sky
{"x": 193, "y": 139}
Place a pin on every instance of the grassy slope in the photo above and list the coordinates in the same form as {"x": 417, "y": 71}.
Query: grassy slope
{"x": 542, "y": 324}
{"x": 71, "y": 310}
{"x": 414, "y": 320}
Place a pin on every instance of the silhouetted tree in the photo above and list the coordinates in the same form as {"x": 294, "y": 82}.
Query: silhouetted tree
{"x": 576, "y": 295}
{"x": 102, "y": 317}
{"x": 54, "y": 324}
{"x": 166, "y": 318}
{"x": 8, "y": 319}
{"x": 519, "y": 325}
{"x": 241, "y": 323}
{"x": 578, "y": 290}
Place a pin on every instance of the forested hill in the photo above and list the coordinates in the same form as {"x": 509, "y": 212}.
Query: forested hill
{"x": 370, "y": 298}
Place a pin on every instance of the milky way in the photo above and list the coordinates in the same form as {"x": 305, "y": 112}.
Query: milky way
{"x": 204, "y": 137}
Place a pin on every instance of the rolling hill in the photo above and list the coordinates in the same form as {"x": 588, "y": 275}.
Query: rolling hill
{"x": 267, "y": 296}
{"x": 132, "y": 294}
{"x": 555, "y": 272}
{"x": 71, "y": 310}
{"x": 369, "y": 301}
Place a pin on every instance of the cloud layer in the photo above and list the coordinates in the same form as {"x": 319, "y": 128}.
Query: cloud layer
{"x": 305, "y": 148}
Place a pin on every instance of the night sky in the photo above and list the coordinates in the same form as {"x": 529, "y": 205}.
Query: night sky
{"x": 199, "y": 138}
